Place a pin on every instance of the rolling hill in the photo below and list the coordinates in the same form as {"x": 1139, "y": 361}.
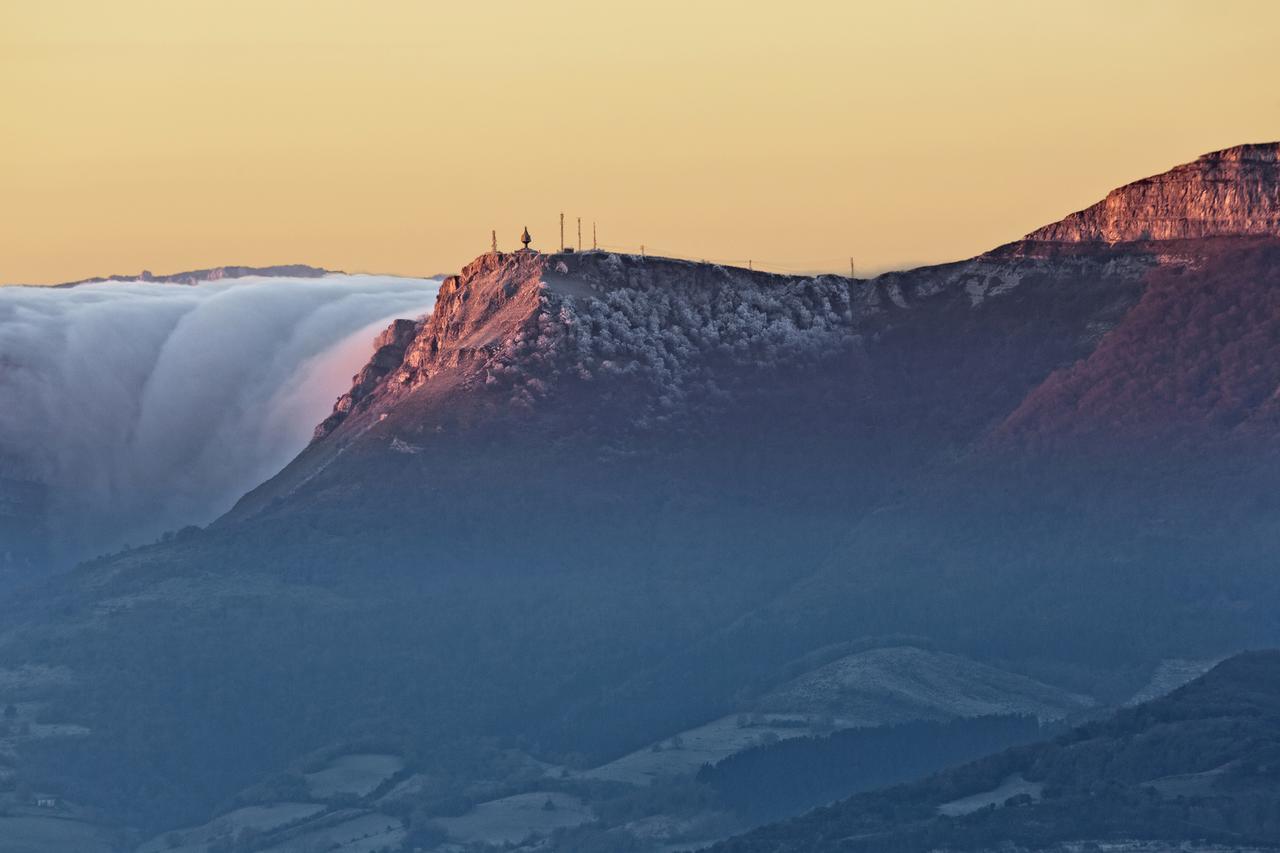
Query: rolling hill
{"x": 1199, "y": 765}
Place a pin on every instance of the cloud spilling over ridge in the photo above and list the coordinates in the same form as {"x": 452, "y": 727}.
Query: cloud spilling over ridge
{"x": 146, "y": 406}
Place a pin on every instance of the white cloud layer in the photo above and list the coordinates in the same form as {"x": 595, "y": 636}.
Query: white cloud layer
{"x": 149, "y": 406}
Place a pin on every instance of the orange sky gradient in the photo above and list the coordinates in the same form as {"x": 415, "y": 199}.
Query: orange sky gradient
{"x": 391, "y": 136}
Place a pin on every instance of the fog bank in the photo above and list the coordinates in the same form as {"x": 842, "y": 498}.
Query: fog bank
{"x": 145, "y": 406}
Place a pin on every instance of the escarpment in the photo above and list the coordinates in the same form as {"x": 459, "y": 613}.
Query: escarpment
{"x": 685, "y": 338}
{"x": 1232, "y": 192}
{"x": 952, "y": 350}
{"x": 388, "y": 354}
{"x": 516, "y": 326}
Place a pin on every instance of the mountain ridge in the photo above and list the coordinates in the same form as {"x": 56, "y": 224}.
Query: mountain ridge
{"x": 1231, "y": 192}
{"x": 597, "y": 499}
{"x": 218, "y": 273}
{"x": 675, "y": 341}
{"x": 1229, "y": 195}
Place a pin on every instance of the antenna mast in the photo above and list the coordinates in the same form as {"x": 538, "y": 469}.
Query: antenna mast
{"x": 562, "y": 231}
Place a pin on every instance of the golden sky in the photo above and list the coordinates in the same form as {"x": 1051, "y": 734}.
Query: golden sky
{"x": 392, "y": 135}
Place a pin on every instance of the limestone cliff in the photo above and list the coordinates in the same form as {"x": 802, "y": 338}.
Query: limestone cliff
{"x": 388, "y": 354}
{"x": 546, "y": 363}
{"x": 1232, "y": 192}
{"x": 514, "y": 326}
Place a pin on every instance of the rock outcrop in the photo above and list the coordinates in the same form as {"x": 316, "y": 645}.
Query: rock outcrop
{"x": 519, "y": 324}
{"x": 388, "y": 354}
{"x": 681, "y": 337}
{"x": 1232, "y": 192}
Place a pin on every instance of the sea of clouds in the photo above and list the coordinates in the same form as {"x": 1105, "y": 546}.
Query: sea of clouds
{"x": 148, "y": 406}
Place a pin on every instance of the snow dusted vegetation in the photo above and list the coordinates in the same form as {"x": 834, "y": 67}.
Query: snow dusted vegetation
{"x": 679, "y": 329}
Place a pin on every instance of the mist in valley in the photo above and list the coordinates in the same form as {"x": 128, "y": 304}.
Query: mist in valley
{"x": 145, "y": 407}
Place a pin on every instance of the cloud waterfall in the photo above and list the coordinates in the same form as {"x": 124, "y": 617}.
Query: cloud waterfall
{"x": 147, "y": 406}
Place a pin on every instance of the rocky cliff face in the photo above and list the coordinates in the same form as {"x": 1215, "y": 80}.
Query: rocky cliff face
{"x": 680, "y": 336}
{"x": 514, "y": 327}
{"x": 662, "y": 343}
{"x": 1231, "y": 192}
{"x": 388, "y": 355}
{"x": 518, "y": 325}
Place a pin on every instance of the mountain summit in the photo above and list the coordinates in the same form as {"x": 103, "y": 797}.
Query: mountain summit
{"x": 1232, "y": 192}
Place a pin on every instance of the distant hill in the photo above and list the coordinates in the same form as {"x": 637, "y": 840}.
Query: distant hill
{"x": 211, "y": 274}
{"x": 1200, "y": 765}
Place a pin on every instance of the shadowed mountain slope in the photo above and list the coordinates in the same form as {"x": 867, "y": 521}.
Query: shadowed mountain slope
{"x": 1195, "y": 359}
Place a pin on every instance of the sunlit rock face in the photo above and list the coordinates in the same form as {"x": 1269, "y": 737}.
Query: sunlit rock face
{"x": 388, "y": 354}
{"x": 518, "y": 325}
{"x": 686, "y": 339}
{"x": 1231, "y": 192}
